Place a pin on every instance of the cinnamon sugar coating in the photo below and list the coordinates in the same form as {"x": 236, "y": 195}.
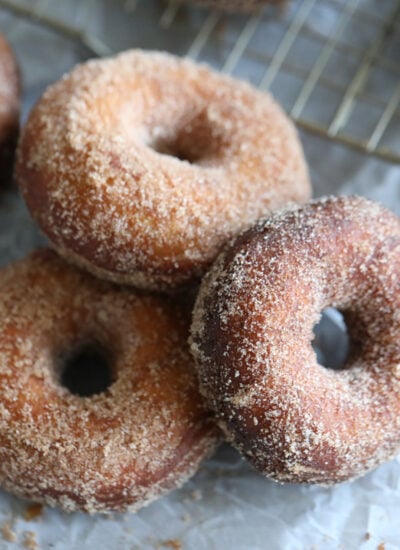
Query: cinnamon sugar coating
{"x": 140, "y": 166}
{"x": 295, "y": 420}
{"x": 9, "y": 109}
{"x": 114, "y": 451}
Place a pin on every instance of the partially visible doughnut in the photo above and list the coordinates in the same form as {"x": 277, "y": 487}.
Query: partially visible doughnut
{"x": 294, "y": 419}
{"x": 139, "y": 167}
{"x": 9, "y": 109}
{"x": 116, "y": 450}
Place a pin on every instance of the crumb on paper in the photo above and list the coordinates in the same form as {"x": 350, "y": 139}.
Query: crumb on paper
{"x": 30, "y": 541}
{"x": 381, "y": 546}
{"x": 224, "y": 472}
{"x": 196, "y": 495}
{"x": 33, "y": 511}
{"x": 191, "y": 496}
{"x": 7, "y": 532}
{"x": 367, "y": 536}
{"x": 174, "y": 544}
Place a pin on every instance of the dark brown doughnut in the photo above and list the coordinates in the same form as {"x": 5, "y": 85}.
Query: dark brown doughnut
{"x": 253, "y": 325}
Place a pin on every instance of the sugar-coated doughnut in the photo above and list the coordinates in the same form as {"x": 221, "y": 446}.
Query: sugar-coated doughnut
{"x": 9, "y": 109}
{"x": 115, "y": 450}
{"x": 294, "y": 419}
{"x": 138, "y": 167}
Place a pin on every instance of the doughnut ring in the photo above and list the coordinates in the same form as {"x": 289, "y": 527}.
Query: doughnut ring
{"x": 295, "y": 420}
{"x": 9, "y": 109}
{"x": 125, "y": 445}
{"x": 139, "y": 167}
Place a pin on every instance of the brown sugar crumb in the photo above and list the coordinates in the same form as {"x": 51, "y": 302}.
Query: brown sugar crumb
{"x": 33, "y": 511}
{"x": 7, "y": 532}
{"x": 381, "y": 546}
{"x": 175, "y": 544}
{"x": 30, "y": 541}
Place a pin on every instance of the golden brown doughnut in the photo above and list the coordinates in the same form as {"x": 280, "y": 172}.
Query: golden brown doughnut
{"x": 100, "y": 166}
{"x": 116, "y": 450}
{"x": 294, "y": 419}
{"x": 9, "y": 109}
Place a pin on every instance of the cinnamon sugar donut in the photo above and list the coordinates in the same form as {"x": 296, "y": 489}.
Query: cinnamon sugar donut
{"x": 294, "y": 419}
{"x": 140, "y": 166}
{"x": 116, "y": 450}
{"x": 9, "y": 109}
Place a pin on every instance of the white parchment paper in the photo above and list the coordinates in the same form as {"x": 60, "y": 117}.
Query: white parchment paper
{"x": 226, "y": 505}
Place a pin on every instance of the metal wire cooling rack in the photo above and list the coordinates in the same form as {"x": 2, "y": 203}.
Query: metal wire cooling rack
{"x": 339, "y": 79}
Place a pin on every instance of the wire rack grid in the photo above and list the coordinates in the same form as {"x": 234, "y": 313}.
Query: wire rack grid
{"x": 340, "y": 80}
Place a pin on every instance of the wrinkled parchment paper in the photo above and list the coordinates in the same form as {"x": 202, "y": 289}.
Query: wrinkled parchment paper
{"x": 226, "y": 505}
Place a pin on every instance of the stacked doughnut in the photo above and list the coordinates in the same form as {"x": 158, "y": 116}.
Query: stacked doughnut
{"x": 148, "y": 171}
{"x": 138, "y": 168}
{"x": 125, "y": 442}
{"x": 252, "y": 337}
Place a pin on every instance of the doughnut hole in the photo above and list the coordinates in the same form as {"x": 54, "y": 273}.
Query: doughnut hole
{"x": 193, "y": 141}
{"x": 87, "y": 369}
{"x": 331, "y": 341}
